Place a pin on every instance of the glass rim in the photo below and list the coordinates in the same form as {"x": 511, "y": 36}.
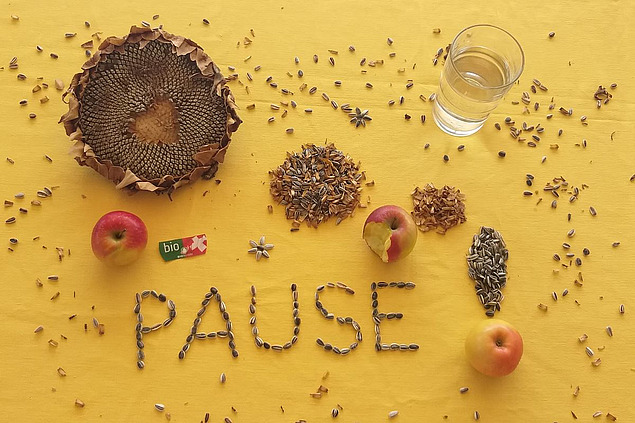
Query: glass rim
{"x": 467, "y": 81}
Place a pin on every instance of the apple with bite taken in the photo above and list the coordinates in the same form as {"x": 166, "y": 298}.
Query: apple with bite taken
{"x": 390, "y": 232}
{"x": 118, "y": 238}
{"x": 494, "y": 347}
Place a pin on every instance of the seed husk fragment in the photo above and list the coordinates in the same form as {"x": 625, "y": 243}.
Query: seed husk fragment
{"x": 79, "y": 403}
{"x": 393, "y": 413}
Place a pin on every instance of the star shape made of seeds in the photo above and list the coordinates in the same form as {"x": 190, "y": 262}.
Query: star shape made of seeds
{"x": 359, "y": 117}
{"x": 260, "y": 248}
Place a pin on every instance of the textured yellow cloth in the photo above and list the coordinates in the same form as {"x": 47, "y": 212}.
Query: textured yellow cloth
{"x": 592, "y": 46}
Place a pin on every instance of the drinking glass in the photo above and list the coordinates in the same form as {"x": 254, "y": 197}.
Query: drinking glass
{"x": 483, "y": 63}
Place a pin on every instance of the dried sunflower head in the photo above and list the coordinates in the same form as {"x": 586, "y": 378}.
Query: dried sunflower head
{"x": 150, "y": 111}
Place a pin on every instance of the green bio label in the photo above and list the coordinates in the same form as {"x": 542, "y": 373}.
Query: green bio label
{"x": 183, "y": 247}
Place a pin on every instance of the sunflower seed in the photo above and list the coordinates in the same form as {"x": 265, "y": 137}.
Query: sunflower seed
{"x": 609, "y": 331}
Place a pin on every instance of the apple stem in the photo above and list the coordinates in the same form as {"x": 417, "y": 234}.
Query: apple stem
{"x": 120, "y": 234}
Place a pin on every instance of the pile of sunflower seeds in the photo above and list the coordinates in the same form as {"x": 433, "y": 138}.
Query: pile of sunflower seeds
{"x": 140, "y": 328}
{"x": 341, "y": 320}
{"x": 486, "y": 265}
{"x": 317, "y": 183}
{"x": 296, "y": 321}
{"x": 438, "y": 208}
{"x": 378, "y": 317}
{"x": 195, "y": 334}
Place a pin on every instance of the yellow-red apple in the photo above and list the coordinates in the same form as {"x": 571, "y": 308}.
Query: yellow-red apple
{"x": 390, "y": 232}
{"x": 118, "y": 238}
{"x": 494, "y": 347}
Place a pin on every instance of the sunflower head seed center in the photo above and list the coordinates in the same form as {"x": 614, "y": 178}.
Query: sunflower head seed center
{"x": 158, "y": 124}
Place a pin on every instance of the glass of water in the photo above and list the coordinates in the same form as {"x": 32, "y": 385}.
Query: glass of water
{"x": 483, "y": 63}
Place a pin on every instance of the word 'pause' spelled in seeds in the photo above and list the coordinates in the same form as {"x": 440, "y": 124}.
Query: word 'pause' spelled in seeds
{"x": 227, "y": 332}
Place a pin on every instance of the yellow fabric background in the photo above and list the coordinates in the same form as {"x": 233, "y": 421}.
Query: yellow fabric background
{"x": 592, "y": 46}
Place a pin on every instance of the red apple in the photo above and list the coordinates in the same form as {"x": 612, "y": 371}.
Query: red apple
{"x": 118, "y": 238}
{"x": 494, "y": 347}
{"x": 390, "y": 232}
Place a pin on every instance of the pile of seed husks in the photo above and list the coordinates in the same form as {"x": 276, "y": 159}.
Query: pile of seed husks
{"x": 438, "y": 209}
{"x": 317, "y": 183}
